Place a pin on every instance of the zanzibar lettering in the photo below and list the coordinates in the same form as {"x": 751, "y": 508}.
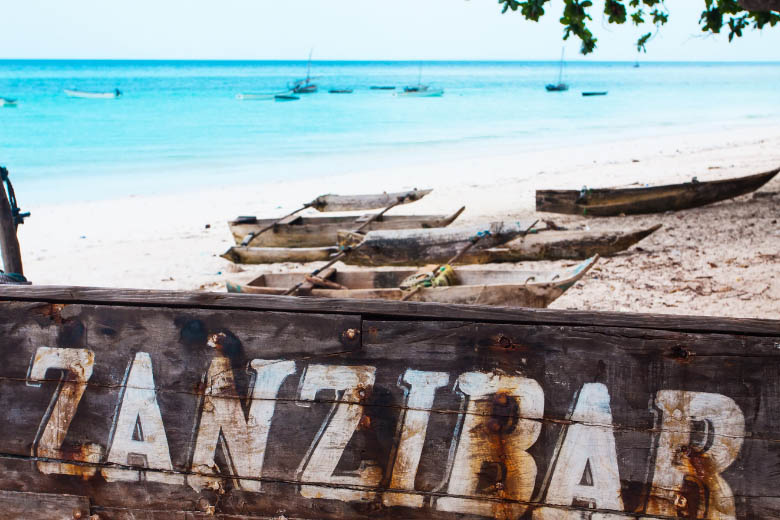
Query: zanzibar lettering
{"x": 583, "y": 472}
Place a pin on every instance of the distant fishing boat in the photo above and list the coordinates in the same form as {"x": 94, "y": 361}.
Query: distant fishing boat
{"x": 340, "y": 91}
{"x": 382, "y": 87}
{"x": 286, "y": 97}
{"x": 595, "y": 93}
{"x": 93, "y": 95}
{"x": 560, "y": 86}
{"x": 420, "y": 90}
{"x": 6, "y": 102}
{"x": 305, "y": 85}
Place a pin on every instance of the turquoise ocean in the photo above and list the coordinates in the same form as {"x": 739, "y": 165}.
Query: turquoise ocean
{"x": 179, "y": 127}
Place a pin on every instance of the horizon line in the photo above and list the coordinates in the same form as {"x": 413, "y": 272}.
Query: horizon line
{"x": 409, "y": 60}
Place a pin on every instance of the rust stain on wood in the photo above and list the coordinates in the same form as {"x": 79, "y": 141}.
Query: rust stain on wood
{"x": 244, "y": 413}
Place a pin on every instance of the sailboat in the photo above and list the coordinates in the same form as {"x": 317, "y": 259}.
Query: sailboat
{"x": 420, "y": 90}
{"x": 304, "y": 86}
{"x": 560, "y": 86}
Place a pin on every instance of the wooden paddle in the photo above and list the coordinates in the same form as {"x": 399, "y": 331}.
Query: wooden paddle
{"x": 472, "y": 242}
{"x": 400, "y": 200}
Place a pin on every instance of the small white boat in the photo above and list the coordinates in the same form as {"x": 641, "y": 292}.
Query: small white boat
{"x": 5, "y": 102}
{"x": 257, "y": 96}
{"x": 93, "y": 95}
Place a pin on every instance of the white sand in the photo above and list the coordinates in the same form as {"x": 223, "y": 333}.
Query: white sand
{"x": 161, "y": 242}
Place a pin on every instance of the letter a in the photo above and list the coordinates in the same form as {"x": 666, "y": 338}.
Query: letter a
{"x": 586, "y": 469}
{"x": 139, "y": 434}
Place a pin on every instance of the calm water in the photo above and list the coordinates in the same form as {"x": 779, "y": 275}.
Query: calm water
{"x": 179, "y": 124}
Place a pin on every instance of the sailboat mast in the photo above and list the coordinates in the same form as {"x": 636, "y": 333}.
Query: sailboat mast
{"x": 560, "y": 69}
{"x": 308, "y": 66}
{"x": 419, "y": 75}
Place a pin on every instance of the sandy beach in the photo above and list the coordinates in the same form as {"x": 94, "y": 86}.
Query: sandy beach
{"x": 721, "y": 260}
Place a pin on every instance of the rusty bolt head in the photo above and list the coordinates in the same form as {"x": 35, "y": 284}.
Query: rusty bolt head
{"x": 77, "y": 514}
{"x": 351, "y": 334}
{"x": 94, "y": 517}
{"x": 204, "y": 504}
{"x": 494, "y": 425}
{"x": 501, "y": 398}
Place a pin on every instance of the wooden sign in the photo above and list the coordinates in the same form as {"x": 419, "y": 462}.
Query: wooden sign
{"x": 140, "y": 404}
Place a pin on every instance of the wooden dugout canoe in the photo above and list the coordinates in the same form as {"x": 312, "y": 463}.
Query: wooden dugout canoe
{"x": 323, "y": 231}
{"x": 548, "y": 244}
{"x": 475, "y": 286}
{"x": 387, "y": 247}
{"x": 332, "y": 202}
{"x": 425, "y": 246}
{"x": 608, "y": 202}
{"x": 539, "y": 244}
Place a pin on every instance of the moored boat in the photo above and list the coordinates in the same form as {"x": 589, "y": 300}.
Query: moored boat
{"x": 340, "y": 91}
{"x": 513, "y": 288}
{"x": 605, "y": 202}
{"x": 116, "y": 93}
{"x": 305, "y": 231}
{"x": 286, "y": 97}
{"x": 6, "y": 102}
{"x": 382, "y": 87}
{"x": 305, "y": 85}
{"x": 560, "y": 86}
{"x": 595, "y": 93}
{"x": 421, "y": 91}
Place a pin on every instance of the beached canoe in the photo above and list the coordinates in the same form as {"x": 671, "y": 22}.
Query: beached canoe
{"x": 387, "y": 247}
{"x": 304, "y": 231}
{"x": 332, "y": 202}
{"x": 92, "y": 95}
{"x": 425, "y": 246}
{"x": 474, "y": 286}
{"x": 607, "y": 202}
{"x": 539, "y": 244}
{"x": 548, "y": 244}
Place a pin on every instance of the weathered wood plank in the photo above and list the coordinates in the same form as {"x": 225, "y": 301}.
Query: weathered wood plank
{"x": 190, "y": 409}
{"x": 43, "y": 506}
{"x": 422, "y": 311}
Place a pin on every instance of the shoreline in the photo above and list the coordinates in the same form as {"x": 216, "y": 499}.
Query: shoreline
{"x": 161, "y": 241}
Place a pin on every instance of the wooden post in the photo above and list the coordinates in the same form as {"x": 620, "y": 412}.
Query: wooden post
{"x": 9, "y": 244}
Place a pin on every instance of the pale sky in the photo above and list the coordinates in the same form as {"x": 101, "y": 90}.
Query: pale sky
{"x": 342, "y": 30}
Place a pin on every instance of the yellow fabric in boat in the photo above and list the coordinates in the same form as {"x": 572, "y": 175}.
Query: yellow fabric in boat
{"x": 443, "y": 277}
